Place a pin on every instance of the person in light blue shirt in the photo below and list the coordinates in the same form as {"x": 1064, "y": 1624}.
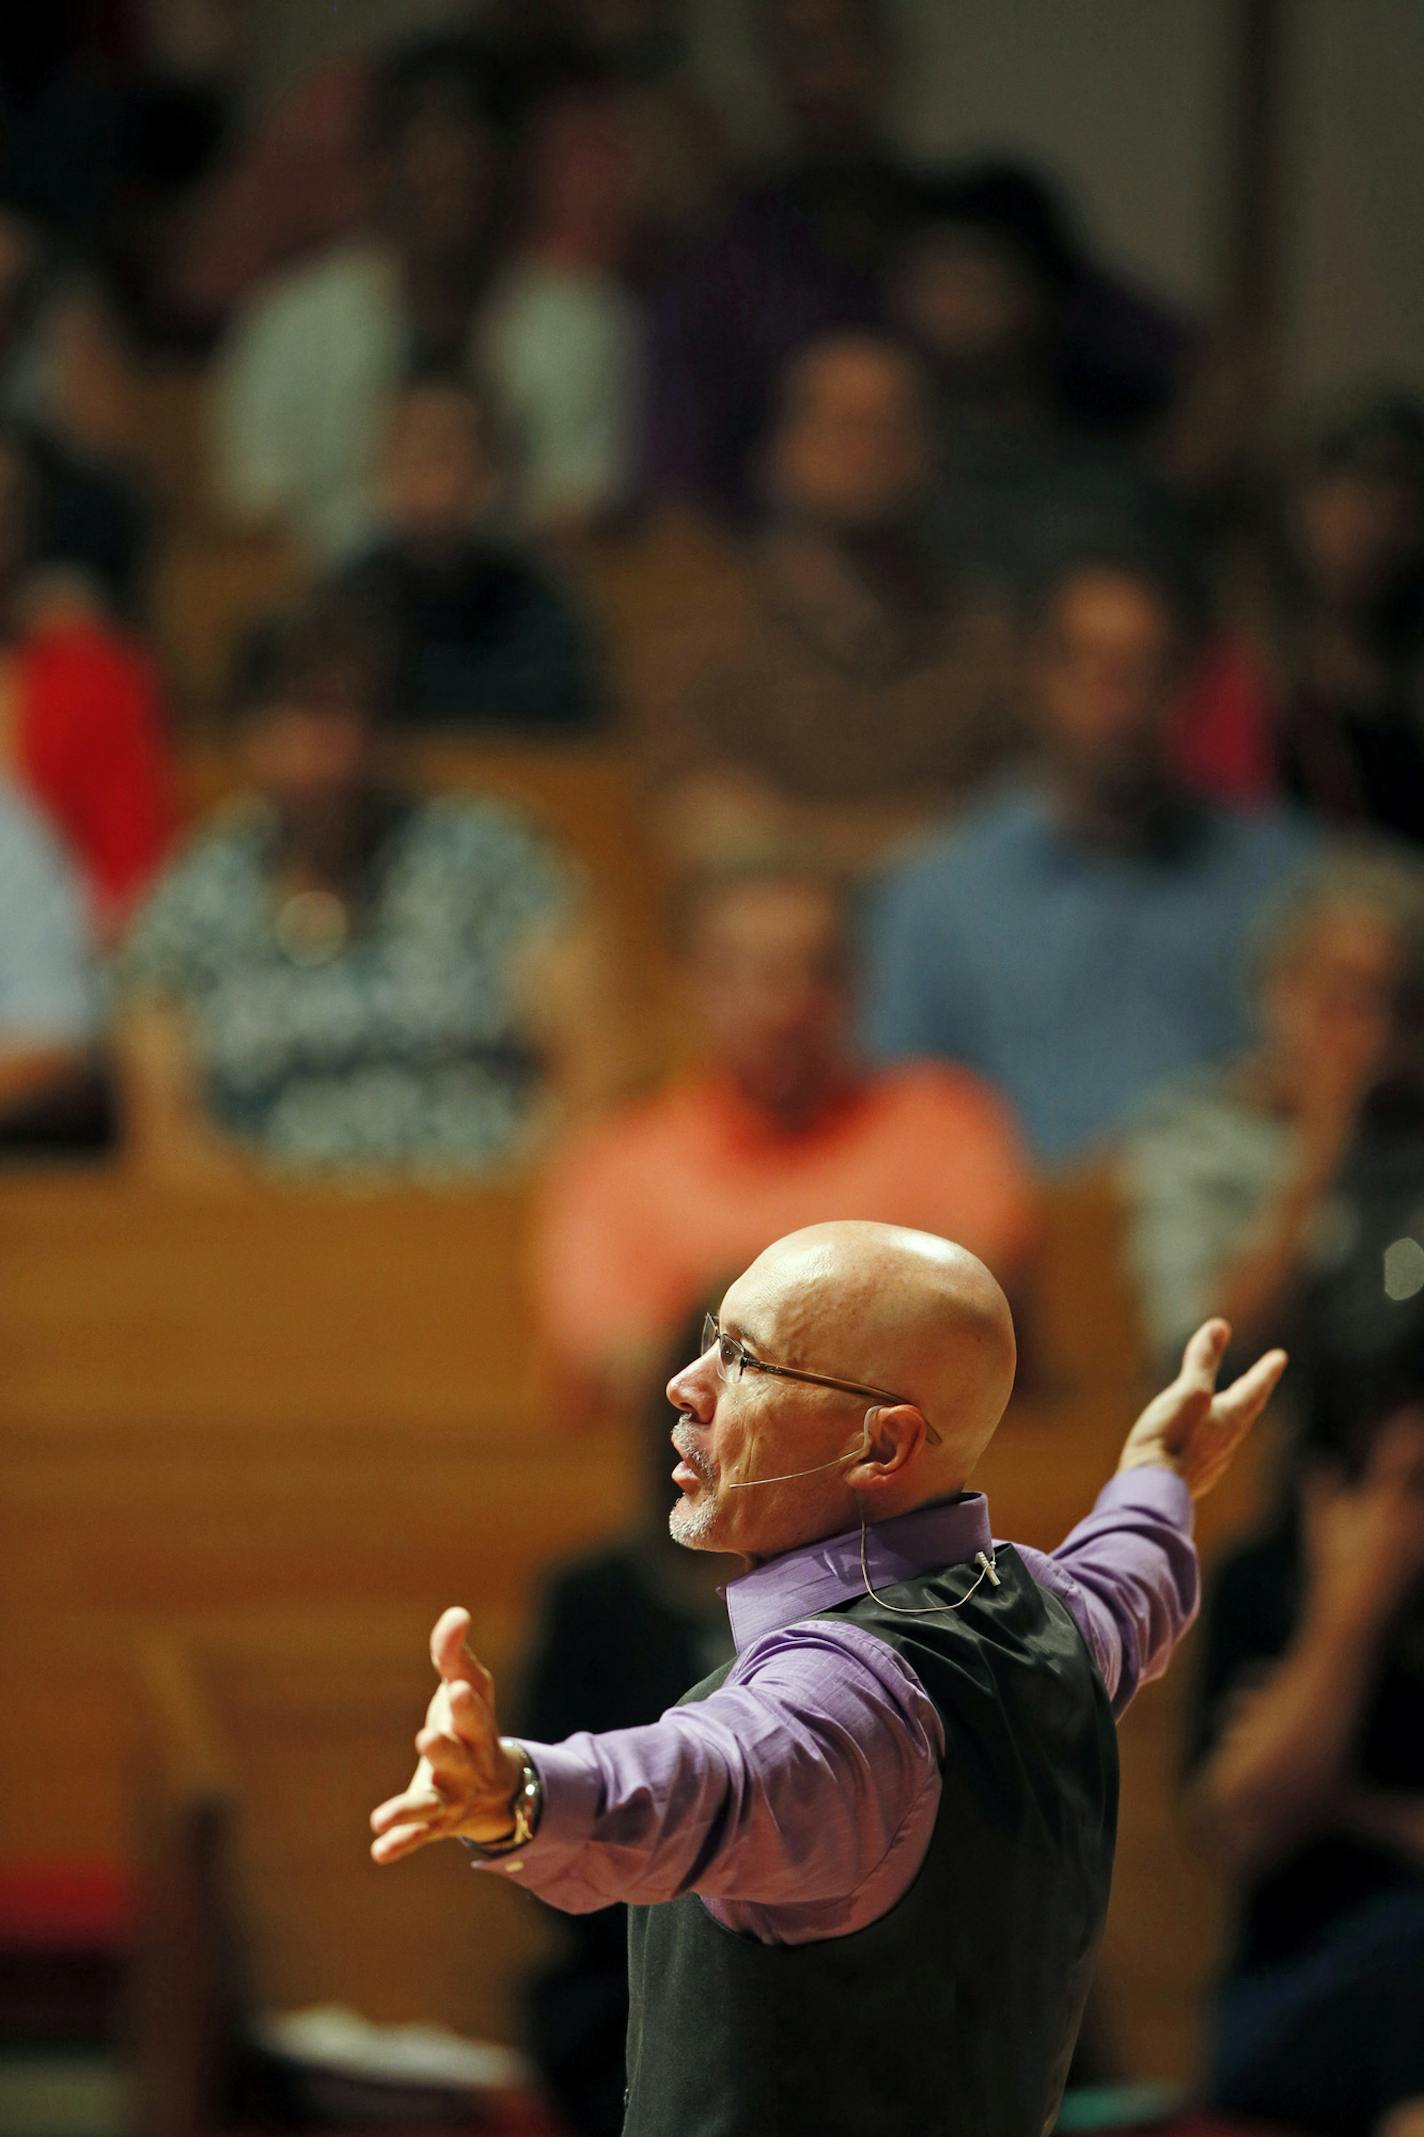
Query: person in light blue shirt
{"x": 1078, "y": 939}
{"x": 48, "y": 1006}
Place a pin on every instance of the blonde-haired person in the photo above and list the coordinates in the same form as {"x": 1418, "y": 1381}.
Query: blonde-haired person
{"x": 1230, "y": 1176}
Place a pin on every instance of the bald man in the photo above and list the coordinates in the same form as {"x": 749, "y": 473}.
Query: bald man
{"x": 868, "y": 1861}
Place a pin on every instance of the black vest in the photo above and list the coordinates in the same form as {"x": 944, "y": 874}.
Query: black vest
{"x": 954, "y": 2014}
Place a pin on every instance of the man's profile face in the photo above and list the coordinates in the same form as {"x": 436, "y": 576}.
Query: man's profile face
{"x": 738, "y": 1429}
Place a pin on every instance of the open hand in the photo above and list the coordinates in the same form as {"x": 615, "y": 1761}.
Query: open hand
{"x": 1192, "y": 1429}
{"x": 465, "y": 1782}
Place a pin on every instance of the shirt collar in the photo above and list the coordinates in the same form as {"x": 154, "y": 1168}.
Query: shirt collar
{"x": 811, "y": 1578}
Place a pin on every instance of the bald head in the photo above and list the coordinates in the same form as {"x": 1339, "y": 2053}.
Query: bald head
{"x": 903, "y": 1311}
{"x": 859, "y": 1371}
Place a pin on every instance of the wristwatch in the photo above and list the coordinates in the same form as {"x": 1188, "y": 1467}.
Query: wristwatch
{"x": 528, "y": 1802}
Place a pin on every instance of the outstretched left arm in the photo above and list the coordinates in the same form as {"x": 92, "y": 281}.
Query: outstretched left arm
{"x": 1129, "y": 1573}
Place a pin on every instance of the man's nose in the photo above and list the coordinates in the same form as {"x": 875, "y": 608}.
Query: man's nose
{"x": 693, "y": 1390}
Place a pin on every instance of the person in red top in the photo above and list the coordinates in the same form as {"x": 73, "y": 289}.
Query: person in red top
{"x": 776, "y": 1124}
{"x": 81, "y": 727}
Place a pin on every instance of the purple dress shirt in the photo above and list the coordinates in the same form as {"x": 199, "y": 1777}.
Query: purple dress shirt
{"x": 798, "y": 1799}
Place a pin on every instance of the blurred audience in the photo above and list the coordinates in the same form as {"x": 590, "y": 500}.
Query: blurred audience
{"x": 643, "y": 58}
{"x": 845, "y": 698}
{"x": 1075, "y": 940}
{"x": 560, "y": 332}
{"x": 81, "y": 725}
{"x": 339, "y": 974}
{"x": 1323, "y": 700}
{"x": 811, "y": 248}
{"x": 292, "y": 177}
{"x": 1309, "y": 1754}
{"x": 618, "y": 1638}
{"x": 313, "y": 357}
{"x": 49, "y": 1011}
{"x": 797, "y": 255}
{"x": 68, "y": 380}
{"x": 484, "y": 637}
{"x": 779, "y": 1124}
{"x": 311, "y": 361}
{"x": 984, "y": 284}
{"x": 1234, "y": 1176}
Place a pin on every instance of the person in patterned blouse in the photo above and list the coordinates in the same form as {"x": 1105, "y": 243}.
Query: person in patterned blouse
{"x": 339, "y": 975}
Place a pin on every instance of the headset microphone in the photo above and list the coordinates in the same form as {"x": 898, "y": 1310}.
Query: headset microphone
{"x": 836, "y": 1461}
{"x": 988, "y": 1569}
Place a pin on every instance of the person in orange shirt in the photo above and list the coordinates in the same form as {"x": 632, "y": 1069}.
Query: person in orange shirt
{"x": 776, "y": 1124}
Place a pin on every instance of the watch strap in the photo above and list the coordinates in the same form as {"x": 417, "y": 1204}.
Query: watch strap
{"x": 528, "y": 1802}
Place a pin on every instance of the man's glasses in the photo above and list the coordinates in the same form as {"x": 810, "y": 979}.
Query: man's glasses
{"x": 734, "y": 1359}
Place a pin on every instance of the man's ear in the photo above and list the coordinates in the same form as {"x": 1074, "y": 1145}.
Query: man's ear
{"x": 890, "y": 1439}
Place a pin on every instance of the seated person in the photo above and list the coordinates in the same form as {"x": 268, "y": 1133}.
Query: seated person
{"x": 49, "y": 1087}
{"x": 1077, "y": 938}
{"x": 797, "y": 254}
{"x": 984, "y": 291}
{"x": 483, "y": 637}
{"x": 780, "y": 1125}
{"x": 68, "y": 386}
{"x": 1232, "y": 1176}
{"x": 846, "y": 699}
{"x": 619, "y": 1636}
{"x": 83, "y": 728}
{"x": 339, "y": 974}
{"x": 1309, "y": 1777}
{"x": 1319, "y": 698}
{"x": 313, "y": 356}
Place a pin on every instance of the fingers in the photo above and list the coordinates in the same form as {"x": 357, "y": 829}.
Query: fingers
{"x": 1242, "y": 1403}
{"x": 421, "y": 1806}
{"x": 402, "y": 1841}
{"x": 409, "y": 1821}
{"x": 452, "y": 1629}
{"x": 1201, "y": 1360}
{"x": 452, "y": 1656}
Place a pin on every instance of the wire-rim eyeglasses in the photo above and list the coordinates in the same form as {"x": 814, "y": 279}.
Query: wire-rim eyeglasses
{"x": 733, "y": 1356}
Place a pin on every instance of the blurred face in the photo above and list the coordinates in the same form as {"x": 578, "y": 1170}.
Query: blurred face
{"x": 438, "y": 480}
{"x": 314, "y": 753}
{"x": 1105, "y": 674}
{"x": 442, "y": 174}
{"x": 830, "y": 67}
{"x": 970, "y": 304}
{"x": 1330, "y": 1004}
{"x": 739, "y": 1428}
{"x": 854, "y": 449}
{"x": 586, "y": 183}
{"x": 1355, "y": 531}
{"x": 770, "y": 988}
